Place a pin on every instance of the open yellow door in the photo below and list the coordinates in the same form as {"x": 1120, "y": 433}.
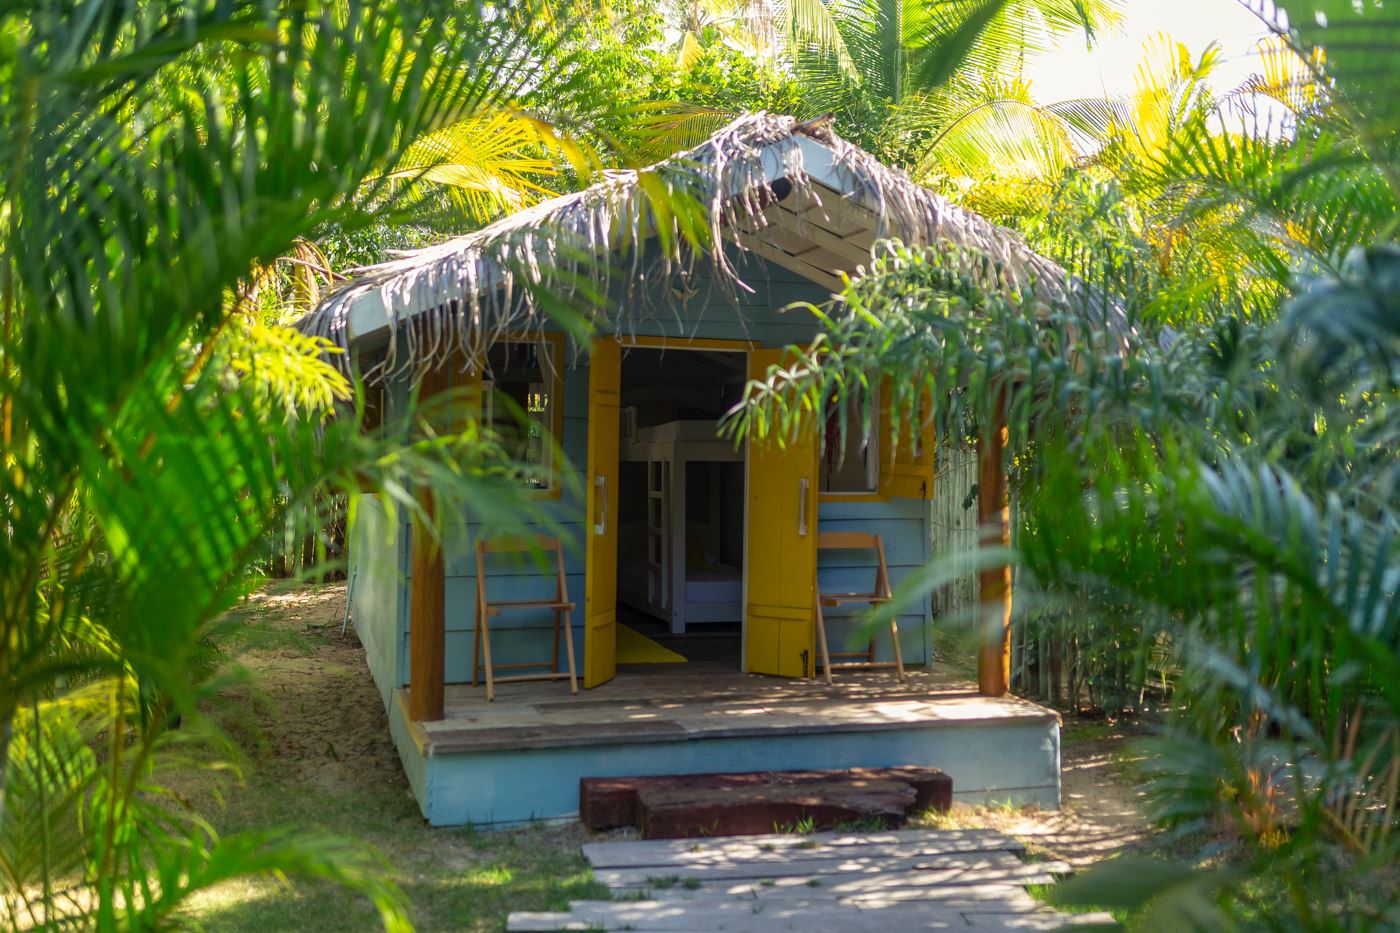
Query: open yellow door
{"x": 600, "y": 562}
{"x": 780, "y": 600}
{"x": 906, "y": 460}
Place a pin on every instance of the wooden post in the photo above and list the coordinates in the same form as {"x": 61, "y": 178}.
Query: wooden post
{"x": 427, "y": 602}
{"x": 427, "y": 633}
{"x": 994, "y": 519}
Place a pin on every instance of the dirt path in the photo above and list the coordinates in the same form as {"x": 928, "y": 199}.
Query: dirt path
{"x": 314, "y": 709}
{"x": 1101, "y": 812}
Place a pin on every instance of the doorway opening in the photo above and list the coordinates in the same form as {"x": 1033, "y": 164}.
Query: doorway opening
{"x": 681, "y": 503}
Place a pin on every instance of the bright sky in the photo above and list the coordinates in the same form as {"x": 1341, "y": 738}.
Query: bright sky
{"x": 1073, "y": 71}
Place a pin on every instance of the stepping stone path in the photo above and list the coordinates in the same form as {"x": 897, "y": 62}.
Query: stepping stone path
{"x": 880, "y": 882}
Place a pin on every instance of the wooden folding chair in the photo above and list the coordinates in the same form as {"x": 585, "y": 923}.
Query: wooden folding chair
{"x": 879, "y": 593}
{"x": 486, "y": 608}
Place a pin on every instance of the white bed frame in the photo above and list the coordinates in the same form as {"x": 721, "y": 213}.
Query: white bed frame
{"x": 666, "y": 449}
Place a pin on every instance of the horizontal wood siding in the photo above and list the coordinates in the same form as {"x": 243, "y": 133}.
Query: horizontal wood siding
{"x": 902, "y": 525}
{"x": 523, "y": 636}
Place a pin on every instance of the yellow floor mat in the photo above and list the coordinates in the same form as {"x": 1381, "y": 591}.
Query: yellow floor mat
{"x": 635, "y": 648}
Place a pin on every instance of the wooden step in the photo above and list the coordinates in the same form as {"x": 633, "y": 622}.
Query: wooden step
{"x": 683, "y": 806}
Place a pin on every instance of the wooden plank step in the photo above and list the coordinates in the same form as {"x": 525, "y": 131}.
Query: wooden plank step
{"x": 661, "y": 852}
{"x": 678, "y": 806}
{"x": 947, "y": 869}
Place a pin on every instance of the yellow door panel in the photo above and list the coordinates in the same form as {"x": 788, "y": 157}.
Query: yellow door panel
{"x": 779, "y": 611}
{"x": 906, "y": 458}
{"x": 797, "y": 645}
{"x": 761, "y": 636}
{"x": 600, "y": 598}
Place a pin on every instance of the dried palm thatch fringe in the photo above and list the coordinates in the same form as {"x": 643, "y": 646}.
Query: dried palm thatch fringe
{"x": 508, "y": 277}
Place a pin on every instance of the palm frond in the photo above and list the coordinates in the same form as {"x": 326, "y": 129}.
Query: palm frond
{"x": 489, "y": 162}
{"x": 671, "y": 127}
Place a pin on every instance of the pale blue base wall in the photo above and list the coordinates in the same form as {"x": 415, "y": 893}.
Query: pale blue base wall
{"x": 1017, "y": 763}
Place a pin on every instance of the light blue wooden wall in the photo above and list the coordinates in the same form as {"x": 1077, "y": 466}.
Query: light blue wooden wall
{"x": 523, "y": 635}
{"x": 761, "y": 315}
{"x": 378, "y": 550}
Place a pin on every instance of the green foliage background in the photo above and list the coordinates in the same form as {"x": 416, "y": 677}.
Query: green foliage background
{"x": 1203, "y": 439}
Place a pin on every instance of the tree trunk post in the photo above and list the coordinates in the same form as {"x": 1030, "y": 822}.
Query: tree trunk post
{"x": 994, "y": 519}
{"x": 427, "y": 632}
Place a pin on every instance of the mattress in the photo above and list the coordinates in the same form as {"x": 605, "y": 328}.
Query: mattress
{"x": 716, "y": 584}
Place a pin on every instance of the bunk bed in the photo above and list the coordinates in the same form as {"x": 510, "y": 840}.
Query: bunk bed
{"x": 669, "y": 563}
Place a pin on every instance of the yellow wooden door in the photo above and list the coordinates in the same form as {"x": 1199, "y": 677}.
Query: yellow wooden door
{"x": 780, "y": 600}
{"x": 600, "y": 562}
{"x": 906, "y": 456}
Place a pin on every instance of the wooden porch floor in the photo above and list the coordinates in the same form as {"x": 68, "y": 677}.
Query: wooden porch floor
{"x": 663, "y": 703}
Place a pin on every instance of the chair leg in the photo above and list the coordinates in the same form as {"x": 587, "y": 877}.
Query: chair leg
{"x": 821, "y": 642}
{"x": 569, "y": 651}
{"x": 484, "y": 627}
{"x": 476, "y": 645}
{"x": 898, "y": 655}
{"x": 554, "y": 656}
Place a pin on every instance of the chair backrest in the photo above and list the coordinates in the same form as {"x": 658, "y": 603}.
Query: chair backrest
{"x": 859, "y": 541}
{"x": 518, "y": 545}
{"x": 847, "y": 541}
{"x": 507, "y": 545}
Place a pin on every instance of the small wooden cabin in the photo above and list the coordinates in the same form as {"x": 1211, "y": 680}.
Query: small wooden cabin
{"x": 670, "y": 532}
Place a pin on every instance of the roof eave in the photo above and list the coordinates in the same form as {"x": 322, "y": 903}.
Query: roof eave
{"x": 368, "y": 318}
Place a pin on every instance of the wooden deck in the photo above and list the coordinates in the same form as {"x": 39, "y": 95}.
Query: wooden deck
{"x": 878, "y": 882}
{"x": 669, "y": 704}
{"x": 521, "y": 758}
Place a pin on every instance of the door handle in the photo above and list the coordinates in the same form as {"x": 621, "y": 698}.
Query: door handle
{"x": 600, "y": 522}
{"x": 802, "y": 508}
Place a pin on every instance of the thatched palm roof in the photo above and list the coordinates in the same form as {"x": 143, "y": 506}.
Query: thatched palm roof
{"x": 794, "y": 193}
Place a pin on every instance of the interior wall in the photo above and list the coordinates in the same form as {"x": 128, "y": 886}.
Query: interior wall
{"x": 715, "y": 516}
{"x": 732, "y": 493}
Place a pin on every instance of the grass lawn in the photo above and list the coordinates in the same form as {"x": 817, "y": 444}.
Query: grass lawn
{"x": 320, "y": 758}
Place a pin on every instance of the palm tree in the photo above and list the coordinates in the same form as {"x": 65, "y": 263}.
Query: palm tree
{"x": 889, "y": 70}
{"x": 156, "y": 157}
{"x": 900, "y": 91}
{"x": 767, "y": 29}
